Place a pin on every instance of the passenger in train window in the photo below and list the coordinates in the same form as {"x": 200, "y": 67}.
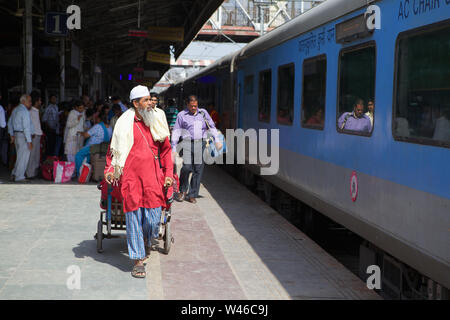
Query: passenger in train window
{"x": 427, "y": 121}
{"x": 401, "y": 127}
{"x": 370, "y": 111}
{"x": 355, "y": 120}
{"x": 442, "y": 129}
{"x": 263, "y": 116}
{"x": 316, "y": 118}
{"x": 283, "y": 117}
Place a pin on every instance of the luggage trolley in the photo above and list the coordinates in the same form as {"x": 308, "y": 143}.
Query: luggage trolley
{"x": 113, "y": 218}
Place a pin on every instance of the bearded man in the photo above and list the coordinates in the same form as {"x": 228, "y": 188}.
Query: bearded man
{"x": 140, "y": 156}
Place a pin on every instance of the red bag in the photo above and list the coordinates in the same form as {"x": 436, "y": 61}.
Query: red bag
{"x": 176, "y": 183}
{"x": 115, "y": 193}
{"x": 85, "y": 173}
{"x": 47, "y": 167}
{"x": 63, "y": 171}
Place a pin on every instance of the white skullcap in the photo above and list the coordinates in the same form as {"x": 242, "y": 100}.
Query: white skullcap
{"x": 139, "y": 92}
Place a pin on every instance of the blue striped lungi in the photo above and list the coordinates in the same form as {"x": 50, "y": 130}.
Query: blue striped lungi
{"x": 142, "y": 223}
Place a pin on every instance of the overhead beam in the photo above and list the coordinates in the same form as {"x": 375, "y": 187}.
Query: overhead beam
{"x": 207, "y": 9}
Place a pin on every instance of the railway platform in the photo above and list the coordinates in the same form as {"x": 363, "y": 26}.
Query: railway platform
{"x": 230, "y": 245}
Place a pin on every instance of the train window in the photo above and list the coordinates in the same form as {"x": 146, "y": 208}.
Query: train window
{"x": 313, "y": 97}
{"x": 248, "y": 84}
{"x": 285, "y": 96}
{"x": 356, "y": 89}
{"x": 422, "y": 92}
{"x": 265, "y": 95}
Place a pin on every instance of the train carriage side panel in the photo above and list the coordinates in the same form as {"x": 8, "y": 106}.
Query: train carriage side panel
{"x": 403, "y": 188}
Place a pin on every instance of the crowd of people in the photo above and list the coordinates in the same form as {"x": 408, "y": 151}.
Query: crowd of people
{"x": 143, "y": 141}
{"x": 31, "y": 132}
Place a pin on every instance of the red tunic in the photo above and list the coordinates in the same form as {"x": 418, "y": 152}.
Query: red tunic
{"x": 143, "y": 179}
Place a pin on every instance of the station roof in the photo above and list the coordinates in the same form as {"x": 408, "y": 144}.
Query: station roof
{"x": 106, "y": 25}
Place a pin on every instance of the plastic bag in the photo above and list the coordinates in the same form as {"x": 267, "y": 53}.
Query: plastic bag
{"x": 63, "y": 171}
{"x": 85, "y": 173}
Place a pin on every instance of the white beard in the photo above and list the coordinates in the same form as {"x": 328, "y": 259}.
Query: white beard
{"x": 155, "y": 119}
{"x": 148, "y": 116}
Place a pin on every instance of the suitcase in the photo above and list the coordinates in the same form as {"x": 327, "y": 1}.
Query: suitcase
{"x": 98, "y": 163}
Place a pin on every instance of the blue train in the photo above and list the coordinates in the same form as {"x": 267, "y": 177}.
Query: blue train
{"x": 389, "y": 181}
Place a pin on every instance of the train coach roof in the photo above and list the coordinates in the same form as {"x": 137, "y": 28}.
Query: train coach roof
{"x": 222, "y": 62}
{"x": 323, "y": 13}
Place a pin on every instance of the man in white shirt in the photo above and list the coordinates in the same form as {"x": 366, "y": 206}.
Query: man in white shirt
{"x": 20, "y": 129}
{"x": 3, "y": 136}
{"x": 370, "y": 109}
{"x": 35, "y": 155}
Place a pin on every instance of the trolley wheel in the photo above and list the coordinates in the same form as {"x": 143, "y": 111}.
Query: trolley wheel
{"x": 168, "y": 239}
{"x": 99, "y": 236}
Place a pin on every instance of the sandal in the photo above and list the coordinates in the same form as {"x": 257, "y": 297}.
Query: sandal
{"x": 138, "y": 271}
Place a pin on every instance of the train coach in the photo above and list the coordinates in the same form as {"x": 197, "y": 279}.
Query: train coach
{"x": 388, "y": 182}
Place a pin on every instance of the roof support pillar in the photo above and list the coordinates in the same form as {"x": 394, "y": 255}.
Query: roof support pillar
{"x": 28, "y": 47}
{"x": 62, "y": 69}
{"x": 80, "y": 74}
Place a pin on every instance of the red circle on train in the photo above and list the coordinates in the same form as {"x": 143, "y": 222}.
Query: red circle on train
{"x": 354, "y": 186}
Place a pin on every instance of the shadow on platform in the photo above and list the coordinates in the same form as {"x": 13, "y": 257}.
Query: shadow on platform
{"x": 114, "y": 253}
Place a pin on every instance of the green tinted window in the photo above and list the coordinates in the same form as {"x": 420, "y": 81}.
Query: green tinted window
{"x": 313, "y": 97}
{"x": 285, "y": 96}
{"x": 356, "y": 89}
{"x": 422, "y": 99}
{"x": 265, "y": 95}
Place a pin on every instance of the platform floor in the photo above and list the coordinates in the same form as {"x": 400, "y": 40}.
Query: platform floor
{"x": 229, "y": 245}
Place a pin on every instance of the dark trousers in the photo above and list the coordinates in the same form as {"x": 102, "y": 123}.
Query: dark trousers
{"x": 51, "y": 143}
{"x": 4, "y": 146}
{"x": 192, "y": 163}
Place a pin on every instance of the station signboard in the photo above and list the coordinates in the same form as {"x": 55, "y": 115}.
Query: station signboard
{"x": 158, "y": 57}
{"x": 352, "y": 29}
{"x": 56, "y": 24}
{"x": 166, "y": 34}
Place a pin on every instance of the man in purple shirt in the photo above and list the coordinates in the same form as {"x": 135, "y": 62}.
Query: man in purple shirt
{"x": 191, "y": 126}
{"x": 356, "y": 120}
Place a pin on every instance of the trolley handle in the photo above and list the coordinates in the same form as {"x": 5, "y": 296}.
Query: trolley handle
{"x": 169, "y": 200}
